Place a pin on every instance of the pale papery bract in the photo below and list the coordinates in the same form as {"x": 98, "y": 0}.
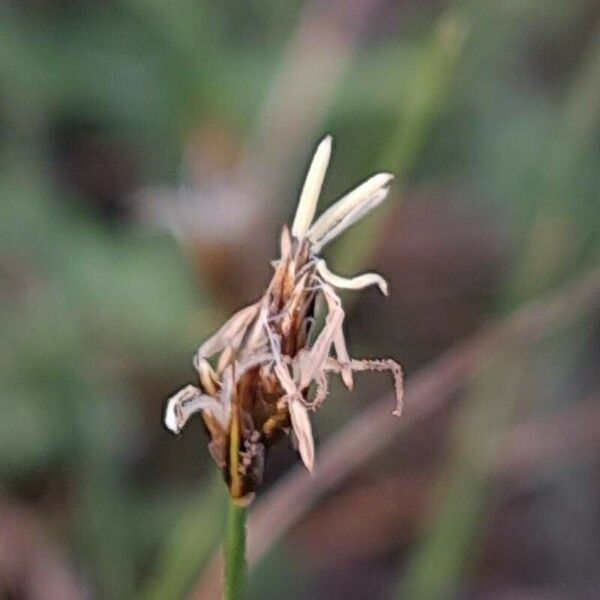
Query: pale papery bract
{"x": 267, "y": 360}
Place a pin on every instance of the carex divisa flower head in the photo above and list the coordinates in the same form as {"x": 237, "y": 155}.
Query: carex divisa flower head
{"x": 270, "y": 368}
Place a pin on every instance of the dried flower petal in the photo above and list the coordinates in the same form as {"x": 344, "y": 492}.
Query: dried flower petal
{"x": 311, "y": 190}
{"x": 355, "y": 283}
{"x": 303, "y": 431}
{"x": 349, "y": 209}
{"x": 311, "y": 361}
{"x": 188, "y": 401}
{"x": 223, "y": 336}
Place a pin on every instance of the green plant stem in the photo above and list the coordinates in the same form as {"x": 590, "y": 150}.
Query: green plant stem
{"x": 235, "y": 551}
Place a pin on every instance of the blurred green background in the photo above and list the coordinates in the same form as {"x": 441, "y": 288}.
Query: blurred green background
{"x": 149, "y": 152}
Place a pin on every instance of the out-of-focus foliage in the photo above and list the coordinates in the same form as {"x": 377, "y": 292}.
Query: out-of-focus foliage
{"x": 489, "y": 112}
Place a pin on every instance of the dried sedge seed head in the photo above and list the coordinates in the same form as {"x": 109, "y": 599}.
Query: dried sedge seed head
{"x": 267, "y": 355}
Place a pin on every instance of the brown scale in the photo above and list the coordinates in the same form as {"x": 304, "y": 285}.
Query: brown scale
{"x": 260, "y": 416}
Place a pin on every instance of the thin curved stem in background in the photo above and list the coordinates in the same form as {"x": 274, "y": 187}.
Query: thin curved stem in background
{"x": 426, "y": 392}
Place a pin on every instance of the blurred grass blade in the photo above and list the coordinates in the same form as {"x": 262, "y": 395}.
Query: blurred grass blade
{"x": 192, "y": 542}
{"x": 436, "y": 566}
{"x": 426, "y": 101}
{"x": 428, "y": 94}
{"x": 452, "y": 536}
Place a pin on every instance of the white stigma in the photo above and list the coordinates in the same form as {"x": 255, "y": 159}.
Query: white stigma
{"x": 311, "y": 190}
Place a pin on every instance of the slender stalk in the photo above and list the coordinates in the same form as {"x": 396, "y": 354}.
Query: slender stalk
{"x": 235, "y": 551}
{"x": 235, "y": 536}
